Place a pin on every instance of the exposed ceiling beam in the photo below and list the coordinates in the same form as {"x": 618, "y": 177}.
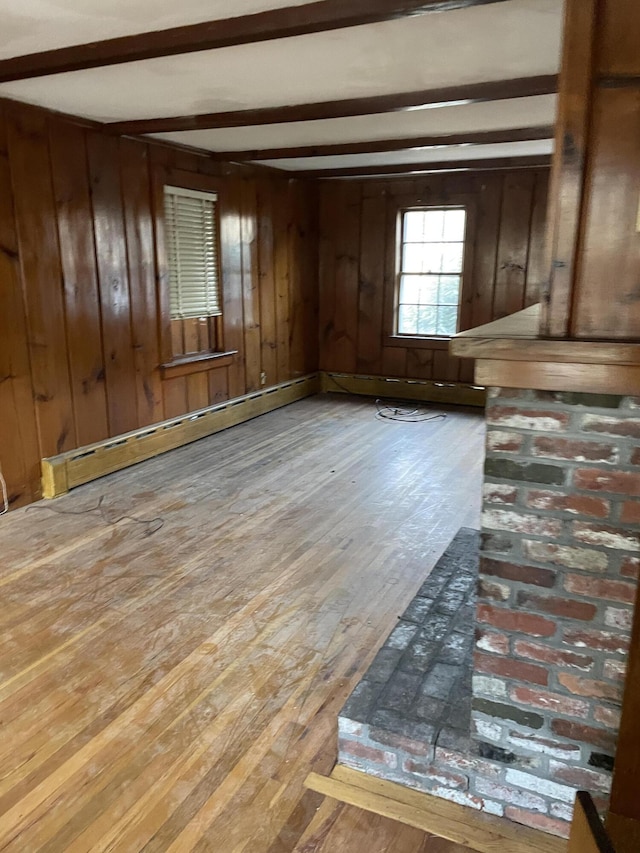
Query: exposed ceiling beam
{"x": 487, "y": 137}
{"x": 534, "y": 161}
{"x": 289, "y": 21}
{"x": 521, "y": 87}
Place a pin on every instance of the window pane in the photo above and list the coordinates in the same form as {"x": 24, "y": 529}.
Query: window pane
{"x": 423, "y": 257}
{"x": 449, "y": 292}
{"x": 427, "y": 320}
{"x": 433, "y": 225}
{"x": 413, "y": 259}
{"x": 452, "y": 257}
{"x": 419, "y": 289}
{"x": 413, "y": 226}
{"x": 408, "y": 320}
{"x": 447, "y": 320}
{"x": 454, "y": 221}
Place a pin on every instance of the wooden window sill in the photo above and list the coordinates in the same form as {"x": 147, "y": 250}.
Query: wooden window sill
{"x": 186, "y": 365}
{"x": 417, "y": 342}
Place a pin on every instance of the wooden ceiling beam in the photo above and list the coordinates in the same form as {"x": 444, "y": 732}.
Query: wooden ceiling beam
{"x": 531, "y": 162}
{"x": 317, "y": 17}
{"x": 488, "y": 137}
{"x": 497, "y": 90}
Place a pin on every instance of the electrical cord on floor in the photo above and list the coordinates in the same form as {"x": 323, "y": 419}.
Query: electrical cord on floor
{"x": 391, "y": 411}
{"x": 152, "y": 524}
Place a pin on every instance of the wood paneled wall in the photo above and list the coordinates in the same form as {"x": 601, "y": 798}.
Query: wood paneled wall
{"x": 80, "y": 317}
{"x": 507, "y": 216}
{"x": 595, "y": 220}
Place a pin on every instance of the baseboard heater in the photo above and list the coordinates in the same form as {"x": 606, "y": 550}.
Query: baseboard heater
{"x": 429, "y": 391}
{"x": 76, "y": 467}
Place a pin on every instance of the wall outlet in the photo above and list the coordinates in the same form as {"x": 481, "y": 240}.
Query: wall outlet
{"x": 263, "y": 378}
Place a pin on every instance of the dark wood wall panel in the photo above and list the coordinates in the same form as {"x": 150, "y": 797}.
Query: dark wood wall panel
{"x": 610, "y": 248}
{"x": 83, "y": 308}
{"x": 41, "y": 269}
{"x": 138, "y": 220}
{"x": 113, "y": 281}
{"x": 80, "y": 281}
{"x": 19, "y": 452}
{"x": 507, "y": 215}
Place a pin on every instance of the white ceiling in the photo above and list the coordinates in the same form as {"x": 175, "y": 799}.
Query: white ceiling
{"x": 494, "y": 115}
{"x": 492, "y": 42}
{"x": 35, "y": 25}
{"x": 421, "y": 155}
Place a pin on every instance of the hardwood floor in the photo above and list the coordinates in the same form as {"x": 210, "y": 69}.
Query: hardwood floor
{"x": 170, "y": 690}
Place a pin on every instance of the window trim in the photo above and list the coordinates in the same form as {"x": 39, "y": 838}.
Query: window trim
{"x": 396, "y": 208}
{"x": 200, "y": 183}
{"x": 402, "y": 243}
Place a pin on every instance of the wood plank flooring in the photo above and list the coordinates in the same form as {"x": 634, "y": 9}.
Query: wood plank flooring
{"x": 171, "y": 690}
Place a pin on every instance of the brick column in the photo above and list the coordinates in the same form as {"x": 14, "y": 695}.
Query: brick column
{"x": 558, "y": 576}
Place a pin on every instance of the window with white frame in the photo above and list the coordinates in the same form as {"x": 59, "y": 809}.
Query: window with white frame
{"x": 430, "y": 271}
{"x": 191, "y": 226}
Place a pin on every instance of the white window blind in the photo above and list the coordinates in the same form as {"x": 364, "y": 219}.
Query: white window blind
{"x": 191, "y": 223}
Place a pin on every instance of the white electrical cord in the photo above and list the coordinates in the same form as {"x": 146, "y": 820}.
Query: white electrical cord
{"x": 5, "y": 497}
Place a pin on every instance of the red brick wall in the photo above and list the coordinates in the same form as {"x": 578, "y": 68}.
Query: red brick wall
{"x": 558, "y": 577}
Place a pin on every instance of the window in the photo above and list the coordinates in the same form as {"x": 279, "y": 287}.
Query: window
{"x": 191, "y": 227}
{"x": 430, "y": 274}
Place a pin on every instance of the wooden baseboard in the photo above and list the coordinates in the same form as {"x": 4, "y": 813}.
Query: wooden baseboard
{"x": 68, "y": 470}
{"x": 454, "y": 393}
{"x": 460, "y": 824}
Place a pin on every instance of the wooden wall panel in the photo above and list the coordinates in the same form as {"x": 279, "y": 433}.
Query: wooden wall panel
{"x": 371, "y": 284}
{"x": 41, "y": 267}
{"x": 230, "y": 205}
{"x": 266, "y": 274}
{"x": 309, "y": 197}
{"x": 84, "y": 323}
{"x": 611, "y": 241}
{"x": 513, "y": 244}
{"x": 82, "y": 306}
{"x": 113, "y": 279}
{"x": 138, "y": 219}
{"x": 250, "y": 285}
{"x": 19, "y": 452}
{"x": 358, "y": 257}
{"x": 344, "y": 340}
{"x": 281, "y": 271}
{"x": 619, "y": 38}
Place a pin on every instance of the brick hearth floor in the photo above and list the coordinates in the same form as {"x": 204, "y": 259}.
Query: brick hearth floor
{"x": 408, "y": 720}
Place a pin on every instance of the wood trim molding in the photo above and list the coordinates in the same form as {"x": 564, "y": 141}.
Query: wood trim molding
{"x": 496, "y": 90}
{"x": 531, "y": 162}
{"x": 459, "y": 824}
{"x": 188, "y": 365}
{"x": 487, "y": 137}
{"x": 425, "y": 390}
{"x": 317, "y": 17}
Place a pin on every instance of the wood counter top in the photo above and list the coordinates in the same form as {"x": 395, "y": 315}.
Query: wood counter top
{"x": 510, "y": 353}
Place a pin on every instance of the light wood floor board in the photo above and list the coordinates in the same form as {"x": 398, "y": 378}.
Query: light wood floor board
{"x": 171, "y": 690}
{"x": 339, "y": 827}
{"x": 480, "y": 832}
